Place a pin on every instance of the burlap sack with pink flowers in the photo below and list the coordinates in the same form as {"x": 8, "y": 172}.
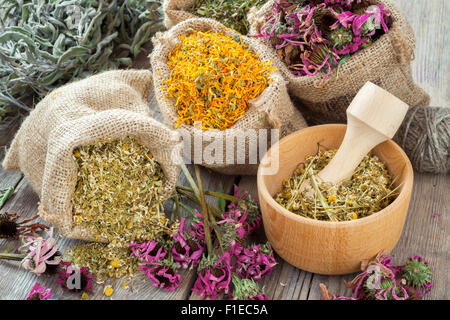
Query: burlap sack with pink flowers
{"x": 107, "y": 106}
{"x": 387, "y": 63}
{"x": 269, "y": 117}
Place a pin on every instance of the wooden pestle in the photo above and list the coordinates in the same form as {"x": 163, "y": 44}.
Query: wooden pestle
{"x": 373, "y": 116}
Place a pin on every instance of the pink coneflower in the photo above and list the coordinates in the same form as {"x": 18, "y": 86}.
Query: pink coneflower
{"x": 378, "y": 281}
{"x": 214, "y": 276}
{"x": 391, "y": 290}
{"x": 43, "y": 255}
{"x": 39, "y": 292}
{"x": 187, "y": 250}
{"x": 373, "y": 273}
{"x": 11, "y": 228}
{"x": 149, "y": 251}
{"x": 254, "y": 262}
{"x": 198, "y": 227}
{"x": 344, "y": 18}
{"x": 83, "y": 283}
{"x": 246, "y": 213}
{"x": 234, "y": 222}
{"x": 417, "y": 274}
{"x": 297, "y": 28}
{"x": 379, "y": 15}
{"x": 162, "y": 274}
{"x": 352, "y": 47}
{"x": 381, "y": 280}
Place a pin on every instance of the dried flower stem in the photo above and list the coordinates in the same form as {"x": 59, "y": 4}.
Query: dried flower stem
{"x": 320, "y": 195}
{"x": 211, "y": 209}
{"x": 205, "y": 211}
{"x": 196, "y": 199}
{"x": 12, "y": 256}
{"x": 224, "y": 196}
{"x": 177, "y": 206}
{"x": 189, "y": 178}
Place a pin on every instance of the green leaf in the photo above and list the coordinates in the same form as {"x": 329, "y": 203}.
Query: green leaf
{"x": 5, "y": 195}
{"x": 341, "y": 62}
{"x": 220, "y": 201}
{"x": 72, "y": 52}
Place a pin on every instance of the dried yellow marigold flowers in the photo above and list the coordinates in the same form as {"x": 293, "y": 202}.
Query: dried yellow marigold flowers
{"x": 212, "y": 78}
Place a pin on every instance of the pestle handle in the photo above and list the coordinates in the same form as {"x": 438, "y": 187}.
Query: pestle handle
{"x": 373, "y": 116}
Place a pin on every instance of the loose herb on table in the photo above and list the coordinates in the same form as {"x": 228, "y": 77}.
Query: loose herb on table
{"x": 381, "y": 280}
{"x": 112, "y": 260}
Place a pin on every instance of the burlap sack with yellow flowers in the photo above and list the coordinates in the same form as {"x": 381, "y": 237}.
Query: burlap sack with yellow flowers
{"x": 387, "y": 63}
{"x": 269, "y": 117}
{"x": 107, "y": 106}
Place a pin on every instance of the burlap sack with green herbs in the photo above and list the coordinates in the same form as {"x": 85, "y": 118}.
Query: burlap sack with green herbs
{"x": 231, "y": 13}
{"x": 104, "y": 107}
{"x": 176, "y": 11}
{"x": 387, "y": 63}
{"x": 273, "y": 109}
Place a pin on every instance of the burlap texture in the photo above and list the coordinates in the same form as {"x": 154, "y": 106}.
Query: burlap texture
{"x": 387, "y": 63}
{"x": 273, "y": 109}
{"x": 176, "y": 11}
{"x": 107, "y": 106}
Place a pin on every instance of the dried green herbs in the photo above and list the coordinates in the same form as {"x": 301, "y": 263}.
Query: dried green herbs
{"x": 118, "y": 192}
{"x": 369, "y": 190}
{"x": 45, "y": 44}
{"x": 232, "y": 13}
{"x": 117, "y": 197}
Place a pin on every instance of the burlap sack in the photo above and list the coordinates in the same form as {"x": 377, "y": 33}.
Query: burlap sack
{"x": 107, "y": 106}
{"x": 387, "y": 63}
{"x": 176, "y": 11}
{"x": 272, "y": 110}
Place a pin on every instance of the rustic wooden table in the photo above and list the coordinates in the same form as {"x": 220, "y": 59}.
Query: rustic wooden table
{"x": 426, "y": 231}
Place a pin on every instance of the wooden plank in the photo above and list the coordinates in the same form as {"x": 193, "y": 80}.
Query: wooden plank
{"x": 430, "y": 67}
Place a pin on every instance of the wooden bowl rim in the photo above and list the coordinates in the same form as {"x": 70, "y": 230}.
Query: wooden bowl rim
{"x": 402, "y": 197}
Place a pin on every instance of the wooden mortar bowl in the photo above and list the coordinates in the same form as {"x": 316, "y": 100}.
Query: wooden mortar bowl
{"x": 326, "y": 247}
